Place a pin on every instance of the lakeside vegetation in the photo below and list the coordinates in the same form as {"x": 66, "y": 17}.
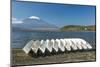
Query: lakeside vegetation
{"x": 78, "y": 28}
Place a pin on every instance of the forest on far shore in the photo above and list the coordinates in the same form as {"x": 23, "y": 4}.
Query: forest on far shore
{"x": 78, "y": 28}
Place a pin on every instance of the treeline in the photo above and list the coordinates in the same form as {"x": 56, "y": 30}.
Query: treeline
{"x": 78, "y": 28}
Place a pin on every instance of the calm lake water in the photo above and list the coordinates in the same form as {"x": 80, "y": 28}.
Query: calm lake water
{"x": 20, "y": 38}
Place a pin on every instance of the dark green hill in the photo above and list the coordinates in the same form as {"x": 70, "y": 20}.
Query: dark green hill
{"x": 78, "y": 28}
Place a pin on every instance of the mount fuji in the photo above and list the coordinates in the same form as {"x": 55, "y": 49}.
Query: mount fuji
{"x": 34, "y": 23}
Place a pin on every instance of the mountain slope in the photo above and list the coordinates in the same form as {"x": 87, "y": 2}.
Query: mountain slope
{"x": 35, "y": 23}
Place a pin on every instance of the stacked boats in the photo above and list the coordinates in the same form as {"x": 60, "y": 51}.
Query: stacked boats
{"x": 71, "y": 44}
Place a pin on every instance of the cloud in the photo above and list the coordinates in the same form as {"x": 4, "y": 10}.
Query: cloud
{"x": 15, "y": 21}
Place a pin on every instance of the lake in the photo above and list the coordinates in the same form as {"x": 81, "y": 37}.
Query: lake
{"x": 20, "y": 38}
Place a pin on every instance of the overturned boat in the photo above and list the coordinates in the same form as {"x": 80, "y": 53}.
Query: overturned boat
{"x": 51, "y": 45}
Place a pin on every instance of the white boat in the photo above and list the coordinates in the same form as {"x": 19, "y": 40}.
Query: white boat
{"x": 67, "y": 43}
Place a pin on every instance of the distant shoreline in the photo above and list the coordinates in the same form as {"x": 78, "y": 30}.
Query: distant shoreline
{"x": 78, "y": 28}
{"x": 78, "y": 31}
{"x": 52, "y": 31}
{"x": 68, "y": 28}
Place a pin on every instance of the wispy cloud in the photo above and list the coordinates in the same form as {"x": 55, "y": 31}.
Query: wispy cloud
{"x": 14, "y": 20}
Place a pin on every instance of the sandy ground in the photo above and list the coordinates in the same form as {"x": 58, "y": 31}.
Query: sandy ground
{"x": 20, "y": 58}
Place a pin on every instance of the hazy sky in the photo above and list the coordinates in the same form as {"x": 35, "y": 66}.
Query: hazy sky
{"x": 57, "y": 14}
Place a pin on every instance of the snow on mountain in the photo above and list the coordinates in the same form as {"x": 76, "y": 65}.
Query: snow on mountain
{"x": 34, "y": 17}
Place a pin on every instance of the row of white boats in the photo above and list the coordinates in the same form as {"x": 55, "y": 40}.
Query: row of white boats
{"x": 56, "y": 44}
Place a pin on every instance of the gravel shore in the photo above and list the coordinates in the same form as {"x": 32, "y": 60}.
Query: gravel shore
{"x": 20, "y": 58}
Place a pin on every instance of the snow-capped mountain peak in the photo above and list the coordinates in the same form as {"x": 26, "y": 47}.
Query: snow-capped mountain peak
{"x": 35, "y": 23}
{"x": 34, "y": 17}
